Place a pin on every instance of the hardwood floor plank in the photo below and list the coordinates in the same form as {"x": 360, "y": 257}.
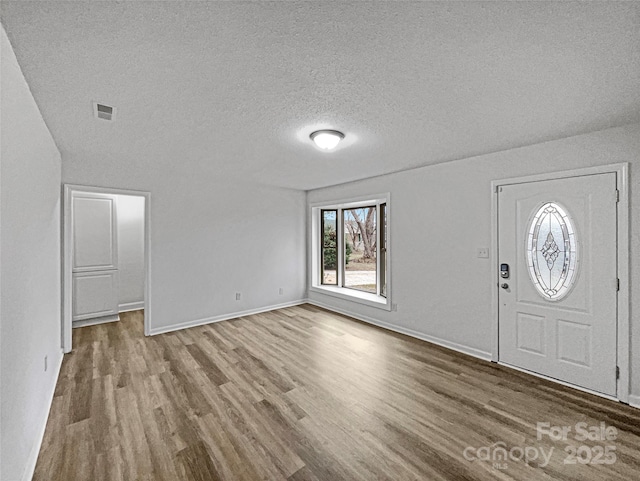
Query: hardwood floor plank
{"x": 284, "y": 458}
{"x": 303, "y": 394}
{"x": 207, "y": 364}
{"x": 228, "y": 461}
{"x": 318, "y": 462}
{"x": 161, "y": 455}
{"x": 197, "y": 463}
{"x": 173, "y": 426}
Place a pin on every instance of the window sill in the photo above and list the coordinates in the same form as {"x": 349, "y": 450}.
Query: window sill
{"x": 354, "y": 295}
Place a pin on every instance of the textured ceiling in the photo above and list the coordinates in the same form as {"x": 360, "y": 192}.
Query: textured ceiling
{"x": 233, "y": 89}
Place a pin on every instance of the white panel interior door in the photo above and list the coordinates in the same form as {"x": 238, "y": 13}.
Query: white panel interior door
{"x": 95, "y": 232}
{"x": 95, "y": 255}
{"x": 95, "y": 294}
{"x": 557, "y": 309}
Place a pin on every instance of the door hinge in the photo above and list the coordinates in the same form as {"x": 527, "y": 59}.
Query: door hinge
{"x": 617, "y": 195}
{"x": 617, "y": 284}
{"x": 617, "y": 372}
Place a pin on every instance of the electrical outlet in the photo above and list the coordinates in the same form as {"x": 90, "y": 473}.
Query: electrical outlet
{"x": 281, "y": 291}
{"x": 483, "y": 252}
{"x": 238, "y": 296}
{"x": 394, "y": 307}
{"x": 46, "y": 363}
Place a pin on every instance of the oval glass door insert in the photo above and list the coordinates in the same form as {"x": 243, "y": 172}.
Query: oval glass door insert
{"x": 552, "y": 254}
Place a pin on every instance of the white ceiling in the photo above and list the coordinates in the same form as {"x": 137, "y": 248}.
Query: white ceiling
{"x": 234, "y": 88}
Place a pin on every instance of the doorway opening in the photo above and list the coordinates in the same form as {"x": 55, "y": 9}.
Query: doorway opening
{"x": 106, "y": 240}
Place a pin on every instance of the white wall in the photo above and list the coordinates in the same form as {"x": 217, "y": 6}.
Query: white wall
{"x": 209, "y": 239}
{"x": 30, "y": 273}
{"x": 440, "y": 215}
{"x": 130, "y": 216}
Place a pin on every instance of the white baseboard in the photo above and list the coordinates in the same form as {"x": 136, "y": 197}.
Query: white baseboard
{"x": 95, "y": 321}
{"x": 407, "y": 332}
{"x": 223, "y": 317}
{"x": 131, "y": 306}
{"x": 29, "y": 469}
{"x": 634, "y": 400}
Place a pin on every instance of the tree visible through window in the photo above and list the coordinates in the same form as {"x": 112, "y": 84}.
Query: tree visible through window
{"x": 361, "y": 240}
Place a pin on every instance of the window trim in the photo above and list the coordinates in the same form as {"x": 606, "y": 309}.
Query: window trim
{"x": 322, "y": 247}
{"x": 337, "y": 290}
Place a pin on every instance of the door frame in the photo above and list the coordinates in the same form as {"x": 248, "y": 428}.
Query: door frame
{"x": 67, "y": 255}
{"x": 623, "y": 322}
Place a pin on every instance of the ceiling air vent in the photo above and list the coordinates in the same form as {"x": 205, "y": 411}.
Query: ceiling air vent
{"x": 104, "y": 112}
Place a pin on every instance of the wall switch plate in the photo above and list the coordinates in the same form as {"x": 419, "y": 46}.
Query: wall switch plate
{"x": 238, "y": 296}
{"x": 281, "y": 291}
{"x": 483, "y": 252}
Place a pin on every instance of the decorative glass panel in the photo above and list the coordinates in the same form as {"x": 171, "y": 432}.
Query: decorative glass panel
{"x": 552, "y": 254}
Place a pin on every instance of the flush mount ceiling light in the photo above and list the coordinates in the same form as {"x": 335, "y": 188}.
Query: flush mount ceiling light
{"x": 326, "y": 139}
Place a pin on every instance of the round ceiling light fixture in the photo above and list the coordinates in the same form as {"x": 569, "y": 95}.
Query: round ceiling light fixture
{"x": 326, "y": 139}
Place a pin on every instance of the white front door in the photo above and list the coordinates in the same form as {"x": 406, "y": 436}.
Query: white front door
{"x": 95, "y": 256}
{"x": 557, "y": 307}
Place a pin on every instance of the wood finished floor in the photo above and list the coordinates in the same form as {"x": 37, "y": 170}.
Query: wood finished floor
{"x": 302, "y": 394}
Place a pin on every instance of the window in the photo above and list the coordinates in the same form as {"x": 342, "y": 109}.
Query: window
{"x": 350, "y": 248}
{"x": 383, "y": 250}
{"x": 360, "y": 248}
{"x": 329, "y": 247}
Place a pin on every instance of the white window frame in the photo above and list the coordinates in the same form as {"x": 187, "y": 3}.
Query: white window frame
{"x": 347, "y": 293}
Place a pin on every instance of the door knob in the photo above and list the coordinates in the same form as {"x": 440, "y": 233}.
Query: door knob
{"x": 504, "y": 286}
